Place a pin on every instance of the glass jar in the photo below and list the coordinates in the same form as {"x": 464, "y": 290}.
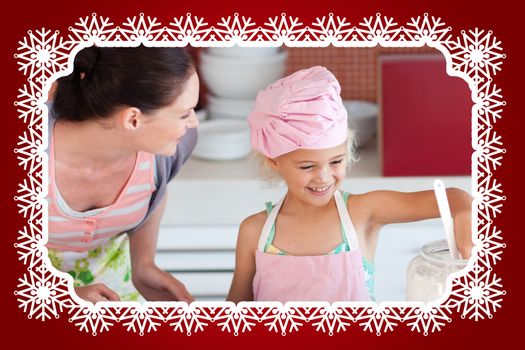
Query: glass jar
{"x": 427, "y": 273}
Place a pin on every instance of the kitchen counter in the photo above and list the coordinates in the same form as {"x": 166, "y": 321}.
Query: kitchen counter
{"x": 225, "y": 192}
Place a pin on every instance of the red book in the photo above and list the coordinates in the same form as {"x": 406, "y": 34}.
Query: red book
{"x": 425, "y": 121}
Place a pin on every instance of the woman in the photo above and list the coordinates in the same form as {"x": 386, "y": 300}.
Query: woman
{"x": 120, "y": 127}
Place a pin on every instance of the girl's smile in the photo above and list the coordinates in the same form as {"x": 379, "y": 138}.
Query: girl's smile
{"x": 319, "y": 191}
{"x": 312, "y": 175}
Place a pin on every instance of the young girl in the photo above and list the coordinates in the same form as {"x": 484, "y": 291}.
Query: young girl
{"x": 318, "y": 243}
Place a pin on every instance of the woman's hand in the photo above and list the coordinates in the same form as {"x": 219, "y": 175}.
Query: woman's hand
{"x": 96, "y": 292}
{"x": 150, "y": 281}
{"x": 155, "y": 284}
{"x": 463, "y": 232}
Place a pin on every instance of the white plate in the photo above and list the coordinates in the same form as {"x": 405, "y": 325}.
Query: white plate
{"x": 202, "y": 114}
{"x": 229, "y": 108}
{"x": 223, "y": 139}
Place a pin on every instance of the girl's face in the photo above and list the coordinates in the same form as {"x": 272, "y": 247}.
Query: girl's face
{"x": 313, "y": 175}
{"x": 164, "y": 129}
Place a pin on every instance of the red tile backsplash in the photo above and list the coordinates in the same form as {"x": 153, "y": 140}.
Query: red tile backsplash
{"x": 355, "y": 68}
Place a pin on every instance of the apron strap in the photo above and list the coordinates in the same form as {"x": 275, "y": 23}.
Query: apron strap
{"x": 267, "y": 228}
{"x": 349, "y": 230}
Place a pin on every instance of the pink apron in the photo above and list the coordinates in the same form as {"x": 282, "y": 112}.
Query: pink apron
{"x": 334, "y": 277}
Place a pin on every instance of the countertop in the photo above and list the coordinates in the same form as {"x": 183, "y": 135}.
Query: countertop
{"x": 225, "y": 192}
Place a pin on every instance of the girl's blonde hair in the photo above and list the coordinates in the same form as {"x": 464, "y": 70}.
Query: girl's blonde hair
{"x": 273, "y": 178}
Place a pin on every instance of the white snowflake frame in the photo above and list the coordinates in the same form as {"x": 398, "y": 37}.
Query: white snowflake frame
{"x": 475, "y": 56}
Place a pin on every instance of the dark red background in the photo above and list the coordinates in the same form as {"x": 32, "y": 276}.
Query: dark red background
{"x": 501, "y": 17}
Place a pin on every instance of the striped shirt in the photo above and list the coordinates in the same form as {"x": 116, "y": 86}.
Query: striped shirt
{"x": 79, "y": 232}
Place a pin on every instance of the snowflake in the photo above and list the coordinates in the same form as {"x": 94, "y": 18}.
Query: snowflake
{"x": 332, "y": 318}
{"x": 331, "y": 28}
{"x": 236, "y": 28}
{"x": 491, "y": 105}
{"x": 237, "y": 318}
{"x": 28, "y": 245}
{"x": 144, "y": 317}
{"x": 282, "y": 318}
{"x": 27, "y": 151}
{"x": 188, "y": 318}
{"x": 42, "y": 55}
{"x": 42, "y": 294}
{"x": 185, "y": 29}
{"x": 143, "y": 29}
{"x": 491, "y": 244}
{"x": 483, "y": 175}
{"x": 93, "y": 318}
{"x": 490, "y": 154}
{"x": 28, "y": 105}
{"x": 285, "y": 29}
{"x": 375, "y": 30}
{"x": 29, "y": 197}
{"x": 478, "y": 55}
{"x": 94, "y": 29}
{"x": 427, "y": 318}
{"x": 428, "y": 30}
{"x": 378, "y": 318}
{"x": 477, "y": 294}
{"x": 492, "y": 200}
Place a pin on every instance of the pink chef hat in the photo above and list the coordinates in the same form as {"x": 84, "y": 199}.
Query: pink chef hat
{"x": 302, "y": 110}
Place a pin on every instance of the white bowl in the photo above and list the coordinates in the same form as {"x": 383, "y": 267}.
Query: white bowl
{"x": 240, "y": 77}
{"x": 223, "y": 139}
{"x": 228, "y": 108}
{"x": 242, "y": 51}
{"x": 362, "y": 119}
{"x": 202, "y": 114}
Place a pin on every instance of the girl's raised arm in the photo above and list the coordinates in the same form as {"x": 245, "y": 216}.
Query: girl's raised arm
{"x": 388, "y": 207}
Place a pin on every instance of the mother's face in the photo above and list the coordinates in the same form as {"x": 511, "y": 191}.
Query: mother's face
{"x": 164, "y": 128}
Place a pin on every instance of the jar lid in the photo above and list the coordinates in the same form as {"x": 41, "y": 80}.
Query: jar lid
{"x": 438, "y": 253}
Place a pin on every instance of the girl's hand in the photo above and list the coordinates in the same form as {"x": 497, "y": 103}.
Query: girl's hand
{"x": 96, "y": 292}
{"x": 156, "y": 284}
{"x": 463, "y": 233}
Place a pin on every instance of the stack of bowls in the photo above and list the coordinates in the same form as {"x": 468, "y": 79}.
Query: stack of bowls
{"x": 234, "y": 76}
{"x": 240, "y": 72}
{"x": 222, "y": 140}
{"x": 229, "y": 108}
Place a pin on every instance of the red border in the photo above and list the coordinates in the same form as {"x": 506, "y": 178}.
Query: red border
{"x": 59, "y": 14}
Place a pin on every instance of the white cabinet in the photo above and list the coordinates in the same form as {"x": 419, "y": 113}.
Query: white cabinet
{"x": 201, "y": 256}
